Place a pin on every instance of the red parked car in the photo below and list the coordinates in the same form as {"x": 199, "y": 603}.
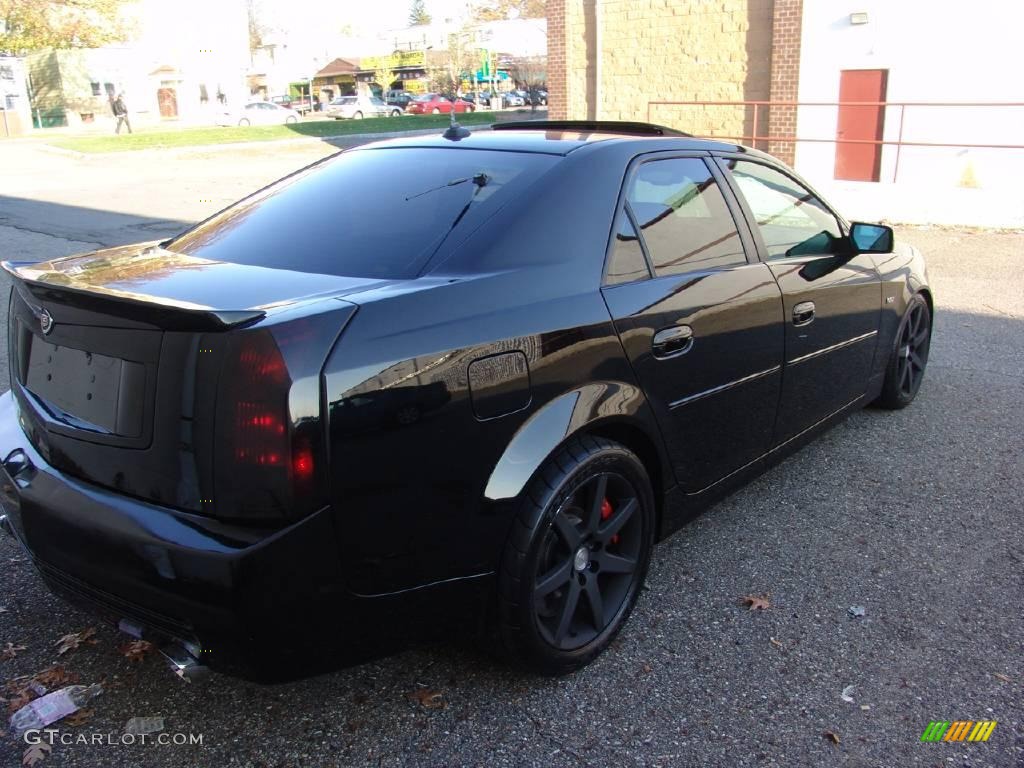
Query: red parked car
{"x": 435, "y": 104}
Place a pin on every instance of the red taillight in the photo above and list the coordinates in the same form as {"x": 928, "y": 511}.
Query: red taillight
{"x": 264, "y": 467}
{"x": 302, "y": 464}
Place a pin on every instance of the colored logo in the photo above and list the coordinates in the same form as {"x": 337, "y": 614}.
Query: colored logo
{"x": 958, "y": 730}
{"x": 45, "y": 321}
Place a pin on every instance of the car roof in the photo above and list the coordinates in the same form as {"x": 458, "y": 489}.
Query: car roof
{"x": 556, "y": 141}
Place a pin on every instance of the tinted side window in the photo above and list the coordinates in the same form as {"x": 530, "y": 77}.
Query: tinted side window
{"x": 626, "y": 262}
{"x": 683, "y": 217}
{"x": 793, "y": 222}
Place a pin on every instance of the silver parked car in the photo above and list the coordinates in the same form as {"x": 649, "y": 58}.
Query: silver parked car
{"x": 259, "y": 113}
{"x": 358, "y": 107}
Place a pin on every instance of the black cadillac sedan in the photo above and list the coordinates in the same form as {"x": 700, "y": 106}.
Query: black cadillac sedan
{"x": 230, "y": 440}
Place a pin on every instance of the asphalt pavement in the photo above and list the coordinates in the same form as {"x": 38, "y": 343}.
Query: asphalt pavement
{"x": 914, "y": 516}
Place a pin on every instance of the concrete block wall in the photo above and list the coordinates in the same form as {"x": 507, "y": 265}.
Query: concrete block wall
{"x": 661, "y": 50}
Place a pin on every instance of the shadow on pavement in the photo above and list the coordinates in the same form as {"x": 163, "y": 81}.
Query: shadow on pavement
{"x": 87, "y": 225}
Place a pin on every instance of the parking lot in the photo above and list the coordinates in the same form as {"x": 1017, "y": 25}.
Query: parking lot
{"x": 914, "y": 516}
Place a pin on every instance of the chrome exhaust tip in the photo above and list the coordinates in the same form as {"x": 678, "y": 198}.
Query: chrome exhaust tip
{"x": 183, "y": 662}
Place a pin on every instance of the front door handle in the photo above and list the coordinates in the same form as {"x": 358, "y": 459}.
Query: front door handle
{"x": 803, "y": 313}
{"x": 669, "y": 342}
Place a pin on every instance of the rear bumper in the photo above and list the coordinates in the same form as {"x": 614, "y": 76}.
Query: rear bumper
{"x": 181, "y": 576}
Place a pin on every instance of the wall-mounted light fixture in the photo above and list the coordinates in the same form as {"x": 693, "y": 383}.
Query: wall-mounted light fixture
{"x": 860, "y": 17}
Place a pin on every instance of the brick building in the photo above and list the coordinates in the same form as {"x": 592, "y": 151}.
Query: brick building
{"x": 615, "y": 59}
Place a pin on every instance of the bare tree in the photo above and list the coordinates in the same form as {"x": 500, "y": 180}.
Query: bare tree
{"x": 457, "y": 61}
{"x": 530, "y": 74}
{"x": 497, "y": 10}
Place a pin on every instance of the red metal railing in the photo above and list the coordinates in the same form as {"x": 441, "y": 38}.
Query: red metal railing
{"x": 761, "y": 108}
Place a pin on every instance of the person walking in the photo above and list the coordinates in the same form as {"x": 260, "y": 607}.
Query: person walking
{"x": 121, "y": 113}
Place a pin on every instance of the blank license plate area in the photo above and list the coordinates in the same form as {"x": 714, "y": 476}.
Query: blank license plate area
{"x": 87, "y": 390}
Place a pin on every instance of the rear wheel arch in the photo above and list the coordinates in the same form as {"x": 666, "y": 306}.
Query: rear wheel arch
{"x": 617, "y": 411}
{"x": 927, "y": 294}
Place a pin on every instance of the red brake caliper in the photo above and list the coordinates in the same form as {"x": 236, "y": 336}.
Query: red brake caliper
{"x": 606, "y": 512}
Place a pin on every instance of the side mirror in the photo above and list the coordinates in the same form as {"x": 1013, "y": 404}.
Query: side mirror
{"x": 871, "y": 238}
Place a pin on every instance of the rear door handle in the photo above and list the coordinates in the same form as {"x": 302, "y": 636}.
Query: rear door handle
{"x": 803, "y": 313}
{"x": 669, "y": 342}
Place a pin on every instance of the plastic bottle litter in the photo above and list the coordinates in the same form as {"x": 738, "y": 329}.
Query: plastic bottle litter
{"x": 52, "y": 707}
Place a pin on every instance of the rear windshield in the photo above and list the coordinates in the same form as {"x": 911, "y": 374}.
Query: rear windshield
{"x": 378, "y": 213}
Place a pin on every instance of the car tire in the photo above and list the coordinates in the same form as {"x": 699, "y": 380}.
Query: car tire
{"x": 435, "y": 111}
{"x": 575, "y": 558}
{"x": 357, "y": 116}
{"x": 243, "y": 122}
{"x": 908, "y": 357}
{"x": 395, "y": 113}
{"x": 291, "y": 120}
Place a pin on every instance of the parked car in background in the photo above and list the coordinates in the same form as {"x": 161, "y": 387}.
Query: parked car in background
{"x": 358, "y": 107}
{"x": 443, "y": 413}
{"x": 399, "y": 99}
{"x": 512, "y": 99}
{"x": 436, "y": 104}
{"x": 300, "y": 105}
{"x": 259, "y": 113}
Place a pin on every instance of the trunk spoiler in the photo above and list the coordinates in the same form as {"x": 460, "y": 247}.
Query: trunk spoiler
{"x": 169, "y": 314}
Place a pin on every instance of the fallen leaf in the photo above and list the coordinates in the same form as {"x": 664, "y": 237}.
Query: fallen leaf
{"x": 1001, "y": 677}
{"x": 18, "y": 692}
{"x": 833, "y": 737}
{"x": 757, "y": 603}
{"x": 847, "y": 694}
{"x": 427, "y": 698}
{"x": 775, "y": 642}
{"x": 81, "y": 717}
{"x": 646, "y": 668}
{"x": 73, "y": 640}
{"x": 35, "y": 753}
{"x": 10, "y": 651}
{"x": 136, "y": 650}
{"x": 55, "y": 677}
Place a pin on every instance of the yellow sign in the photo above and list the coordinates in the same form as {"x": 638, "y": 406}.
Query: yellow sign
{"x": 395, "y": 60}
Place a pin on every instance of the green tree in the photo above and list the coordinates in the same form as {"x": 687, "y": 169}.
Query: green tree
{"x": 418, "y": 14}
{"x": 33, "y": 25}
{"x": 384, "y": 76}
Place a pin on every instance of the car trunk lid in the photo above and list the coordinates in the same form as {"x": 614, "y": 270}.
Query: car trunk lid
{"x": 116, "y": 358}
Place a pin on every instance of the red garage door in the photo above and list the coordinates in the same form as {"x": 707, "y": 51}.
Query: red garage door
{"x": 860, "y": 162}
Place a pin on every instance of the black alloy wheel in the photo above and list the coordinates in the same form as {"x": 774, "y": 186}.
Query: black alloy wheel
{"x": 909, "y": 357}
{"x": 577, "y": 555}
{"x": 589, "y": 558}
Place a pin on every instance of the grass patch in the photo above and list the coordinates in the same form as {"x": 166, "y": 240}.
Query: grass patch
{"x": 161, "y": 138}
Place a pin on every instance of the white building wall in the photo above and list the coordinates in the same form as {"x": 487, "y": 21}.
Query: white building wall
{"x": 934, "y": 51}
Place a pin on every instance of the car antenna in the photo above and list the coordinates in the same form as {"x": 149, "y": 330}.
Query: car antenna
{"x": 454, "y": 131}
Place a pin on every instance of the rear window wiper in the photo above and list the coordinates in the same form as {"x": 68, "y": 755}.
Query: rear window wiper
{"x": 479, "y": 179}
